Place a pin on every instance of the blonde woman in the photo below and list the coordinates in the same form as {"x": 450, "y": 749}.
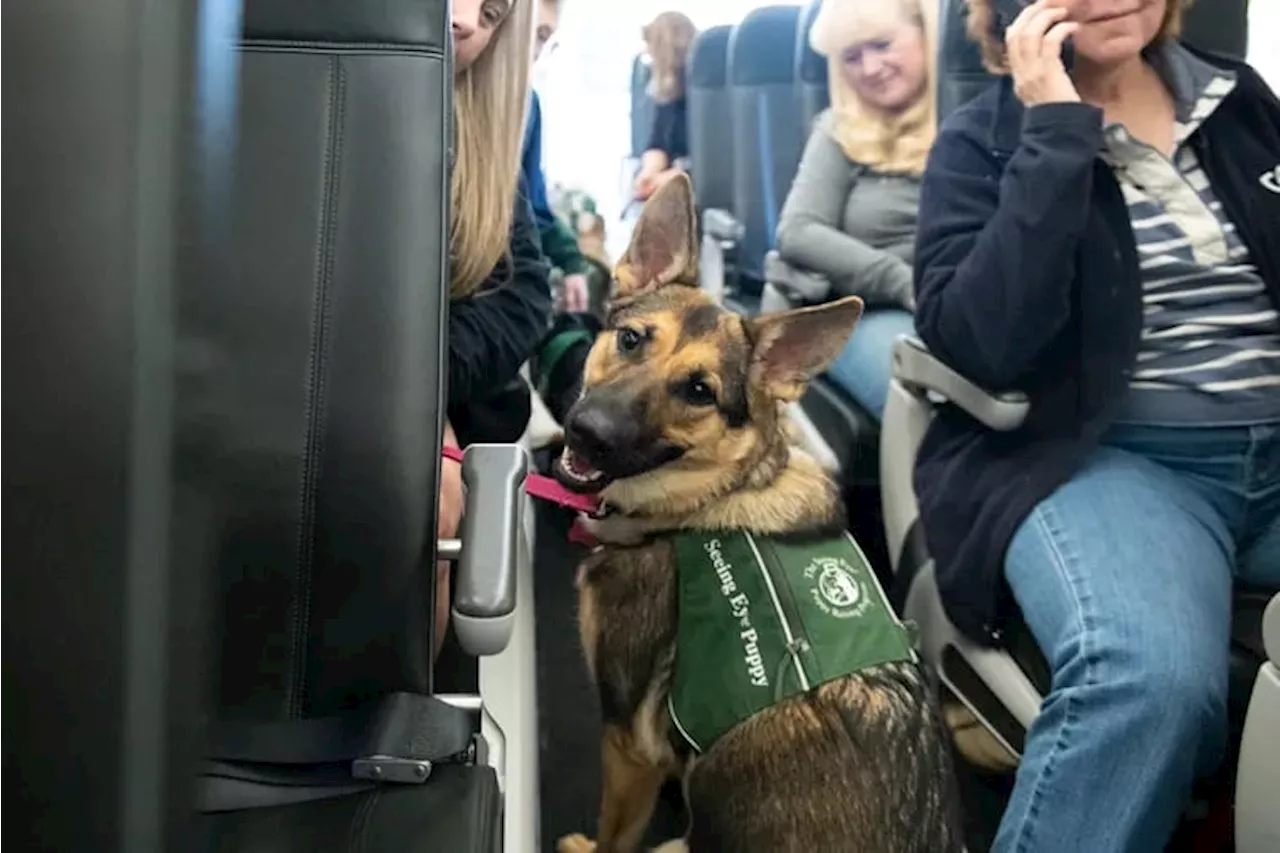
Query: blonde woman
{"x": 668, "y": 39}
{"x": 500, "y": 298}
{"x": 850, "y": 216}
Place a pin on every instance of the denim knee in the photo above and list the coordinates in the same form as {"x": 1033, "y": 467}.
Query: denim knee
{"x": 1178, "y": 699}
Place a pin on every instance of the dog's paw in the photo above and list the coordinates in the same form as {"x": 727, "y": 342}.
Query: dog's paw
{"x": 617, "y": 530}
{"x": 576, "y": 843}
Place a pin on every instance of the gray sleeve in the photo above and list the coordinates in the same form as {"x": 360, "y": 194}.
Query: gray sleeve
{"x": 809, "y": 234}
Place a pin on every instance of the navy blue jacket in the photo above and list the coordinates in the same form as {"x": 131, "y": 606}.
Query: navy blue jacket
{"x": 1027, "y": 278}
{"x": 531, "y": 165}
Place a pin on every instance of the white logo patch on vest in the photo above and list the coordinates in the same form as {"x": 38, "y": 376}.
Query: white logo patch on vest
{"x": 836, "y": 589}
{"x": 1271, "y": 180}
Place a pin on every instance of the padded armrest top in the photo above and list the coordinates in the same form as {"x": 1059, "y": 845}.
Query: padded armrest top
{"x": 422, "y": 23}
{"x": 921, "y": 371}
{"x": 722, "y": 225}
{"x": 1271, "y": 630}
{"x": 800, "y": 286}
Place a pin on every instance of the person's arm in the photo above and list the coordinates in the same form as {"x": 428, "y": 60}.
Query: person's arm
{"x": 531, "y": 166}
{"x": 995, "y": 251}
{"x": 662, "y": 135}
{"x": 561, "y": 248}
{"x": 809, "y": 234}
{"x": 494, "y": 332}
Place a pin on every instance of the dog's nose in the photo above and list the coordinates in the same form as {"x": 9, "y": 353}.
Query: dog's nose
{"x": 594, "y": 431}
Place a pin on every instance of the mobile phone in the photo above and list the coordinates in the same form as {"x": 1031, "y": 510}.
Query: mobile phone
{"x": 1007, "y": 10}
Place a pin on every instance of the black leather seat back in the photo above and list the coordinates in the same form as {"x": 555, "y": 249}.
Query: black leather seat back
{"x": 325, "y": 355}
{"x": 710, "y": 119}
{"x": 768, "y": 129}
{"x": 642, "y": 106}
{"x": 811, "y": 69}
{"x": 1221, "y": 26}
{"x": 106, "y": 557}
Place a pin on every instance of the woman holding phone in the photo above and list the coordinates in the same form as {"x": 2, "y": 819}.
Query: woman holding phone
{"x": 1104, "y": 240}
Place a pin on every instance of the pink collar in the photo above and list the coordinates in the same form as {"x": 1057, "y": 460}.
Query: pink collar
{"x": 547, "y": 489}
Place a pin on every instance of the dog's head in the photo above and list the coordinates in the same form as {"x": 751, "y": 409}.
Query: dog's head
{"x": 681, "y": 397}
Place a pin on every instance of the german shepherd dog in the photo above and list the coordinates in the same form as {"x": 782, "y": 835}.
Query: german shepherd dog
{"x": 680, "y": 426}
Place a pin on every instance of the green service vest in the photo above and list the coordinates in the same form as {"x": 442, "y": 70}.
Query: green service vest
{"x": 763, "y": 618}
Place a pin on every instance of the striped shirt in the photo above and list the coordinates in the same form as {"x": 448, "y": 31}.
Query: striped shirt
{"x": 1210, "y": 347}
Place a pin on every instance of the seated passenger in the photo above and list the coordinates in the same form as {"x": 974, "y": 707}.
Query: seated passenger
{"x": 1106, "y": 241}
{"x": 850, "y": 216}
{"x": 500, "y": 299}
{"x": 668, "y": 39}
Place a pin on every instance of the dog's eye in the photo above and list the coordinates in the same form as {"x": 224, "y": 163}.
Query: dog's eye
{"x": 698, "y": 393}
{"x": 629, "y": 340}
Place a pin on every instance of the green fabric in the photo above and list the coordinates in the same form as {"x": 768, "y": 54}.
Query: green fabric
{"x": 554, "y": 349}
{"x": 763, "y": 618}
{"x": 561, "y": 248}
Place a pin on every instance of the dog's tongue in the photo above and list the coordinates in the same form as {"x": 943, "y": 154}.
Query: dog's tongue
{"x": 577, "y": 467}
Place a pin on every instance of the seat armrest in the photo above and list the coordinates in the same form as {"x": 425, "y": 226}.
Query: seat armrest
{"x": 1258, "y": 774}
{"x": 722, "y": 225}
{"x": 484, "y": 599}
{"x": 921, "y": 372}
{"x": 1271, "y": 630}
{"x": 801, "y": 287}
{"x": 773, "y": 300}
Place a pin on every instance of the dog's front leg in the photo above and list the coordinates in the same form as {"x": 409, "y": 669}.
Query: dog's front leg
{"x": 622, "y": 530}
{"x": 631, "y": 785}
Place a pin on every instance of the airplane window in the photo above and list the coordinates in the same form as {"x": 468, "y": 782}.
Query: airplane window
{"x": 1264, "y": 41}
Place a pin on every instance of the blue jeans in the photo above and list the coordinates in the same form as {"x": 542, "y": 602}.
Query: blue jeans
{"x": 1124, "y": 575}
{"x": 863, "y": 367}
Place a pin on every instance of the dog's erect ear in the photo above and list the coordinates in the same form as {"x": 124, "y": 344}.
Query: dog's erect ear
{"x": 791, "y": 347}
{"x": 664, "y": 246}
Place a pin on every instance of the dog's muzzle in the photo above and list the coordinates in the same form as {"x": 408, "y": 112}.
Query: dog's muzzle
{"x": 607, "y": 438}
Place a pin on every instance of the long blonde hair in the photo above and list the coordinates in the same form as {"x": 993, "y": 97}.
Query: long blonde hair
{"x": 669, "y": 38}
{"x": 890, "y": 142}
{"x": 490, "y": 100}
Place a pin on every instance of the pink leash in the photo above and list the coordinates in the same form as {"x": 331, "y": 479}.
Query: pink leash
{"x": 547, "y": 489}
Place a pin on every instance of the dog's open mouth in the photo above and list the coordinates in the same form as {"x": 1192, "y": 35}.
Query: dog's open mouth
{"x": 576, "y": 473}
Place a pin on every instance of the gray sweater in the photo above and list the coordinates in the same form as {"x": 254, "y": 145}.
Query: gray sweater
{"x": 850, "y": 224}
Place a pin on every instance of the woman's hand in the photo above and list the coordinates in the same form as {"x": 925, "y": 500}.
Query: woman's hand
{"x": 451, "y": 496}
{"x": 1034, "y": 45}
{"x": 647, "y": 185}
{"x": 575, "y": 294}
{"x": 653, "y": 163}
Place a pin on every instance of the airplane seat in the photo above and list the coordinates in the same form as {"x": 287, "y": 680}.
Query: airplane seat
{"x": 1218, "y": 27}
{"x": 1003, "y": 687}
{"x": 711, "y": 145}
{"x": 768, "y": 134}
{"x": 107, "y": 557}
{"x": 1258, "y": 773}
{"x": 642, "y": 108}
{"x": 318, "y": 380}
{"x": 811, "y": 69}
{"x": 710, "y": 139}
{"x": 960, "y": 71}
